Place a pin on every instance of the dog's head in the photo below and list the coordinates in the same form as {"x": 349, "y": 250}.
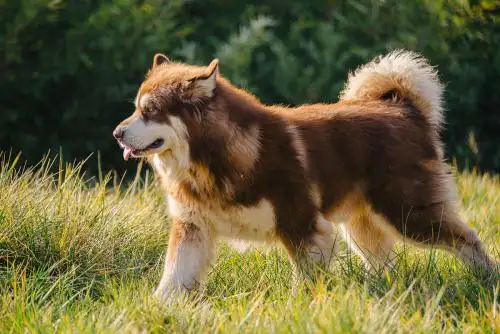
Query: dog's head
{"x": 170, "y": 98}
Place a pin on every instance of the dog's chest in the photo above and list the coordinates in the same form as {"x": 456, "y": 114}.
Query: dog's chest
{"x": 256, "y": 222}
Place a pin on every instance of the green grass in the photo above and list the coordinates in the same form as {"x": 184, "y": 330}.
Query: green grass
{"x": 84, "y": 256}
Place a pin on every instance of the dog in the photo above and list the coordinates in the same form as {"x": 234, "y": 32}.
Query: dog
{"x": 233, "y": 168}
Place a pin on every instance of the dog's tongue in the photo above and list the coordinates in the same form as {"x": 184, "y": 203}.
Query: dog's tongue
{"x": 126, "y": 153}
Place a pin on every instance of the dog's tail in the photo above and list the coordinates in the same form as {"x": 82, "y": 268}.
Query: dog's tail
{"x": 400, "y": 74}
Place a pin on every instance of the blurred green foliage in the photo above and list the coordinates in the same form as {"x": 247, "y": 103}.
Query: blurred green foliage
{"x": 70, "y": 69}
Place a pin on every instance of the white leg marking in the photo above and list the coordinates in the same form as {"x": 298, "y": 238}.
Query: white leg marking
{"x": 320, "y": 250}
{"x": 190, "y": 251}
{"x": 476, "y": 257}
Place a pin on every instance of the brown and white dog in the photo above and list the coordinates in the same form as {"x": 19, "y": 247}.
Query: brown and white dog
{"x": 235, "y": 168}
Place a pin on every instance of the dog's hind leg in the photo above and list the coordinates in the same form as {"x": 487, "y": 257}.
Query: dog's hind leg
{"x": 420, "y": 203}
{"x": 467, "y": 246}
{"x": 364, "y": 235}
{"x": 315, "y": 251}
{"x": 439, "y": 225}
{"x": 190, "y": 251}
{"x": 447, "y": 231}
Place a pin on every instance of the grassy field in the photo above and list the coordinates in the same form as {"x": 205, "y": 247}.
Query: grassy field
{"x": 84, "y": 256}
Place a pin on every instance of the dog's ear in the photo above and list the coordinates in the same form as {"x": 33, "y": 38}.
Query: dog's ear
{"x": 159, "y": 59}
{"x": 205, "y": 85}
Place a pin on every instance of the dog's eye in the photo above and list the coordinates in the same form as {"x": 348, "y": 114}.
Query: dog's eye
{"x": 149, "y": 111}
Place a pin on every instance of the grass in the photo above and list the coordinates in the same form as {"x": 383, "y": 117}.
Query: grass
{"x": 84, "y": 256}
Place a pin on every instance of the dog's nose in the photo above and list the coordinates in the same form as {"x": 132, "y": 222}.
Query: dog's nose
{"x": 118, "y": 132}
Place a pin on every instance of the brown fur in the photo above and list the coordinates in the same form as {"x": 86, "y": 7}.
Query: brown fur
{"x": 375, "y": 163}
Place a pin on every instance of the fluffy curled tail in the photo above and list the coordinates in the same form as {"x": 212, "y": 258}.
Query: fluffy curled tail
{"x": 401, "y": 73}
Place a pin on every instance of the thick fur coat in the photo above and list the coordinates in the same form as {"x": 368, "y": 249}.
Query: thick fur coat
{"x": 233, "y": 168}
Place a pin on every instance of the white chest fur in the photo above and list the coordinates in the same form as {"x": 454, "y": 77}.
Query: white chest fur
{"x": 255, "y": 223}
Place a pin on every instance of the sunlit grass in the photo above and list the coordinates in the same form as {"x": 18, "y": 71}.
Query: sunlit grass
{"x": 79, "y": 255}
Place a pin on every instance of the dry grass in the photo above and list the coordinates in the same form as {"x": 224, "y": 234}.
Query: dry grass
{"x": 83, "y": 256}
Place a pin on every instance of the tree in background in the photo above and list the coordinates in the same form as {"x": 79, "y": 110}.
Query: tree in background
{"x": 70, "y": 69}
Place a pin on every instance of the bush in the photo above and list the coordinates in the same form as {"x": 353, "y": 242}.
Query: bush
{"x": 69, "y": 68}
{"x": 71, "y": 71}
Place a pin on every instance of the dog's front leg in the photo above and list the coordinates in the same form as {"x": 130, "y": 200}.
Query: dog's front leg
{"x": 190, "y": 250}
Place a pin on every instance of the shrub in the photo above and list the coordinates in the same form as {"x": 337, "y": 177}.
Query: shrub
{"x": 71, "y": 67}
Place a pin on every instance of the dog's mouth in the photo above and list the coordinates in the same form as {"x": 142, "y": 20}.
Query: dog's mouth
{"x": 136, "y": 153}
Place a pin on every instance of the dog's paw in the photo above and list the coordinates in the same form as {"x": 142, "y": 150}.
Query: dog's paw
{"x": 166, "y": 291}
{"x": 169, "y": 291}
